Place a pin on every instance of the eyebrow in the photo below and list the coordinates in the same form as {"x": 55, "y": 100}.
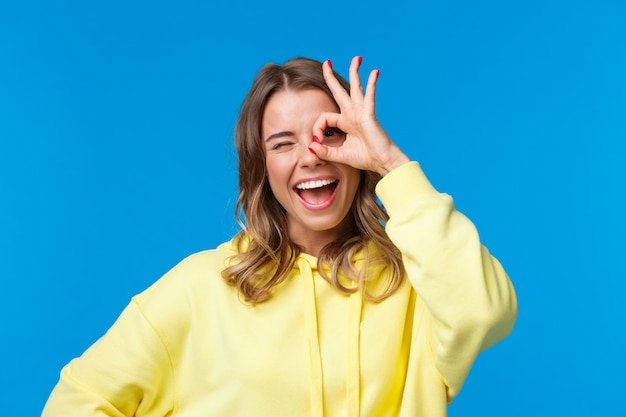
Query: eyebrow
{"x": 278, "y": 135}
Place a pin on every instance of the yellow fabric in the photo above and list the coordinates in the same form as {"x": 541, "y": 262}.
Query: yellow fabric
{"x": 189, "y": 347}
{"x": 312, "y": 335}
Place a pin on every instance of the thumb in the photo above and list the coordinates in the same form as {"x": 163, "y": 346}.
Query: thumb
{"x": 326, "y": 153}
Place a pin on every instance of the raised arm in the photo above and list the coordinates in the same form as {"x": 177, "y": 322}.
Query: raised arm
{"x": 468, "y": 296}
{"x": 470, "y": 300}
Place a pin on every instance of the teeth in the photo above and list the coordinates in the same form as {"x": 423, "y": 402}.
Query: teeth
{"x": 313, "y": 184}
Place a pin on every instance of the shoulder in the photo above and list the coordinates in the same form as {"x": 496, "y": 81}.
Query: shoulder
{"x": 188, "y": 286}
{"x": 201, "y": 263}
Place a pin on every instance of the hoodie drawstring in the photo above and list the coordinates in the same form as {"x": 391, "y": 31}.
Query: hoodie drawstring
{"x": 313, "y": 341}
{"x": 354, "y": 354}
{"x": 353, "y": 383}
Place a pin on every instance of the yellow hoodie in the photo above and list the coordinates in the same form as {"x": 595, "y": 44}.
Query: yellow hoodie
{"x": 189, "y": 347}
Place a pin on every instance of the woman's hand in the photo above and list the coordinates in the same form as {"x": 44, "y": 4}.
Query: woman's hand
{"x": 366, "y": 145}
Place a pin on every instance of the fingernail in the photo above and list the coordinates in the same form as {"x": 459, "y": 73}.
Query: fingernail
{"x": 330, "y": 64}
{"x": 316, "y": 139}
{"x": 360, "y": 60}
{"x": 377, "y": 73}
{"x": 312, "y": 151}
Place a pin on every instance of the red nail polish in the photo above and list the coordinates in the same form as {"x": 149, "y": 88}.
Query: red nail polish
{"x": 360, "y": 60}
{"x": 377, "y": 73}
{"x": 316, "y": 139}
{"x": 330, "y": 64}
{"x": 312, "y": 151}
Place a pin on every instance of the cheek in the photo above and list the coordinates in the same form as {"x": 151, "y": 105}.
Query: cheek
{"x": 277, "y": 171}
{"x": 354, "y": 178}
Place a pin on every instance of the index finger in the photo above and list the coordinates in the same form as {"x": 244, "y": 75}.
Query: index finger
{"x": 324, "y": 121}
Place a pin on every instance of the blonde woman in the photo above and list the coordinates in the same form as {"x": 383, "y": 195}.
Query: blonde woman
{"x": 326, "y": 303}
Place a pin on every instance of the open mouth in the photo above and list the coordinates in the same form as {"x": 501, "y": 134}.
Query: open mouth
{"x": 316, "y": 192}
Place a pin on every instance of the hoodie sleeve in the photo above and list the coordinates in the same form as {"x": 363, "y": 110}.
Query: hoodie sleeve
{"x": 127, "y": 372}
{"x": 467, "y": 292}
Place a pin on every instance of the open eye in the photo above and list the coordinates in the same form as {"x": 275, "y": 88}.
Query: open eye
{"x": 334, "y": 137}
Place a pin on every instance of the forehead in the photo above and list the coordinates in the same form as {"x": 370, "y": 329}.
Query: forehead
{"x": 296, "y": 106}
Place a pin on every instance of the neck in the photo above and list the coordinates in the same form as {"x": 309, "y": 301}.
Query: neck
{"x": 312, "y": 242}
{"x": 313, "y": 248}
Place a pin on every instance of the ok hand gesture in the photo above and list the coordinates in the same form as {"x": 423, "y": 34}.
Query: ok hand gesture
{"x": 366, "y": 145}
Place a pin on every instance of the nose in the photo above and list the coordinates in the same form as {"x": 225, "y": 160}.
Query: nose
{"x": 307, "y": 157}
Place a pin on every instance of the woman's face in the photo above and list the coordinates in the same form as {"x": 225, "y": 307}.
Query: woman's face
{"x": 316, "y": 194}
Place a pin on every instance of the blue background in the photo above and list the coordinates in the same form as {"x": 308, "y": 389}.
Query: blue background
{"x": 116, "y": 161}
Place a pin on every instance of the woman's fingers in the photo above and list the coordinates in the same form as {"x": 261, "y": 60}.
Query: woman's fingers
{"x": 341, "y": 96}
{"x": 352, "y": 135}
{"x": 344, "y": 99}
{"x": 323, "y": 123}
{"x": 328, "y": 138}
{"x": 370, "y": 96}
{"x": 326, "y": 153}
{"x": 356, "y": 89}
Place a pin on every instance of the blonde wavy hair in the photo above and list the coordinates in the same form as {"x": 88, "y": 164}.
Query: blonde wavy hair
{"x": 266, "y": 254}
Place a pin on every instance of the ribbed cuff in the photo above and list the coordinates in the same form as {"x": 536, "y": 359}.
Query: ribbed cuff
{"x": 406, "y": 181}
